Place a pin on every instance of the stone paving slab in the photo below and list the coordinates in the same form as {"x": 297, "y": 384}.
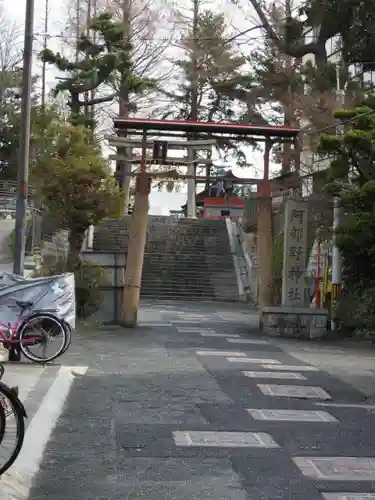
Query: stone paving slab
{"x": 349, "y": 496}
{"x": 294, "y": 391}
{"x": 291, "y": 415}
{"x": 274, "y": 375}
{"x": 337, "y": 468}
{"x": 224, "y": 439}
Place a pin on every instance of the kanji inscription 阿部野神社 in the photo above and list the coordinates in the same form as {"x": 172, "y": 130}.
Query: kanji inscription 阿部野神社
{"x": 295, "y": 248}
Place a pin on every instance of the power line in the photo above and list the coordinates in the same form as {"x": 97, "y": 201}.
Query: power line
{"x": 166, "y": 38}
{"x": 340, "y": 122}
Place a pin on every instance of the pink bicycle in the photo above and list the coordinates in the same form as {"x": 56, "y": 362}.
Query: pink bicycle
{"x": 37, "y": 330}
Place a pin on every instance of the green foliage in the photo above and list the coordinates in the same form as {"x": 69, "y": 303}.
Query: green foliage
{"x": 354, "y": 150}
{"x": 12, "y": 242}
{"x": 105, "y": 62}
{"x": 75, "y": 184}
{"x": 320, "y": 79}
{"x": 10, "y": 123}
{"x": 208, "y": 61}
{"x": 90, "y": 279}
{"x": 356, "y": 310}
{"x": 352, "y": 20}
{"x": 353, "y": 174}
{"x": 75, "y": 181}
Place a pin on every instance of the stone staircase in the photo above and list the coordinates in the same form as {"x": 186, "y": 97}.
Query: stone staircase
{"x": 184, "y": 258}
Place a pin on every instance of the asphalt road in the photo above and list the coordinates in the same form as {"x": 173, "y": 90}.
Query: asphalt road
{"x": 195, "y": 405}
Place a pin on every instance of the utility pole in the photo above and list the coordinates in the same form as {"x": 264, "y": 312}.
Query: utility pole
{"x": 336, "y": 254}
{"x": 78, "y": 27}
{"x": 191, "y": 154}
{"x": 92, "y": 93}
{"x": 87, "y": 95}
{"x": 45, "y": 40}
{"x": 123, "y": 168}
{"x": 24, "y": 144}
{"x": 288, "y": 108}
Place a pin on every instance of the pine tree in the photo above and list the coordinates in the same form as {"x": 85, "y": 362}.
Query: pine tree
{"x": 208, "y": 59}
{"x": 99, "y": 64}
{"x": 352, "y": 176}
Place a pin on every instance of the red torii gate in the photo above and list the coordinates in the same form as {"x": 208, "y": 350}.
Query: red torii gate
{"x": 144, "y": 127}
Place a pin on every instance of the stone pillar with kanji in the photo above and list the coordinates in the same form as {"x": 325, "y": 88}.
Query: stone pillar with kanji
{"x": 294, "y": 290}
{"x": 294, "y": 318}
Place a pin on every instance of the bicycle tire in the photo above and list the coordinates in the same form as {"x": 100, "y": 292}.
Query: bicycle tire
{"x": 2, "y": 423}
{"x": 22, "y": 332}
{"x": 20, "y": 416}
{"x": 68, "y": 331}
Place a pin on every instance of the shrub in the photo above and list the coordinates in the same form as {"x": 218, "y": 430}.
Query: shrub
{"x": 89, "y": 280}
{"x": 11, "y": 242}
{"x": 356, "y": 310}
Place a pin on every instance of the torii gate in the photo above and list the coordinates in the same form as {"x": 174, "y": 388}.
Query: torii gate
{"x": 170, "y": 129}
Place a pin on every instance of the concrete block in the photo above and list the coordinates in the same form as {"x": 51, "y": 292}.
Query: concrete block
{"x": 294, "y": 322}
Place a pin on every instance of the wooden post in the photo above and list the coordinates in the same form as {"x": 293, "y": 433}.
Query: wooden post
{"x": 136, "y": 249}
{"x": 136, "y": 245}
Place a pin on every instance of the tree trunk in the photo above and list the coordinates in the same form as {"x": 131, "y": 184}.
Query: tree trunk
{"x": 76, "y": 238}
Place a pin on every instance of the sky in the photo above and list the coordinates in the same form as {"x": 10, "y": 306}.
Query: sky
{"x": 238, "y": 16}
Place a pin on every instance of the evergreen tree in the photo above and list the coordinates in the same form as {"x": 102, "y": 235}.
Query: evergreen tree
{"x": 208, "y": 59}
{"x": 352, "y": 176}
{"x": 75, "y": 184}
{"x": 102, "y": 63}
{"x": 351, "y": 20}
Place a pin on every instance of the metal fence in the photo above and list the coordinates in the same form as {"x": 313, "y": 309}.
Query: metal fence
{"x": 8, "y": 200}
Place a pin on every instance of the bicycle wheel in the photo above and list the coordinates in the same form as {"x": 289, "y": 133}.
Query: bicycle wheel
{"x": 40, "y": 331}
{"x": 2, "y": 423}
{"x": 68, "y": 331}
{"x": 14, "y": 427}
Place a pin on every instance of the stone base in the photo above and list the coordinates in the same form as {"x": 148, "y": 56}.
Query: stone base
{"x": 294, "y": 322}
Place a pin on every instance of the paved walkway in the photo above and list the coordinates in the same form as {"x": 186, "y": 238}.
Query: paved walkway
{"x": 194, "y": 406}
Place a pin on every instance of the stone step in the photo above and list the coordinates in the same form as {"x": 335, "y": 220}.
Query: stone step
{"x": 197, "y": 256}
{"x": 185, "y": 278}
{"x": 186, "y": 265}
{"x": 119, "y": 246}
{"x": 175, "y": 274}
{"x": 188, "y": 294}
{"x": 185, "y": 258}
{"x": 228, "y": 289}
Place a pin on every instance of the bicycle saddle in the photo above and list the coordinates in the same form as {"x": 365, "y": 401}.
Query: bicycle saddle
{"x": 24, "y": 304}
